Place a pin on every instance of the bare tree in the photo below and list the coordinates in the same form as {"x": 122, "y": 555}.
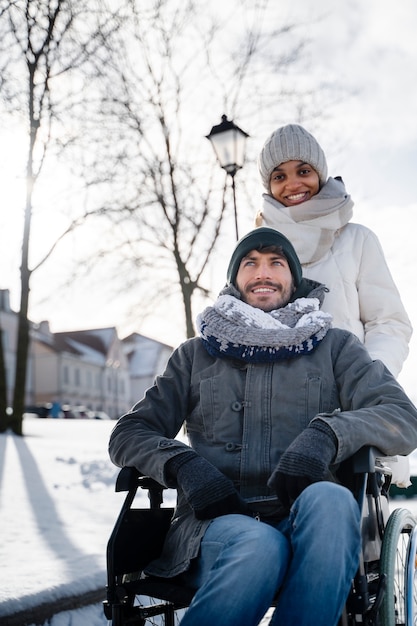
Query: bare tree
{"x": 45, "y": 41}
{"x": 3, "y": 387}
{"x": 127, "y": 97}
{"x": 177, "y": 60}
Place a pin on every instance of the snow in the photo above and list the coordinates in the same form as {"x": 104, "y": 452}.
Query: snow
{"x": 57, "y": 509}
{"x": 91, "y": 615}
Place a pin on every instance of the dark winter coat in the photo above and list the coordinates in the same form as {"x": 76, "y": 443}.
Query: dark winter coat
{"x": 242, "y": 417}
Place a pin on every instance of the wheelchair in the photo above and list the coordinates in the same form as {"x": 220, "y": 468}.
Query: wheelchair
{"x": 383, "y": 592}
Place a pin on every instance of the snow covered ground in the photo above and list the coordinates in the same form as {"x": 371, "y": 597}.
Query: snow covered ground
{"x": 57, "y": 509}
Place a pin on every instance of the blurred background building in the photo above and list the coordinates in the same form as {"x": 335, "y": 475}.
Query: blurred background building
{"x": 81, "y": 373}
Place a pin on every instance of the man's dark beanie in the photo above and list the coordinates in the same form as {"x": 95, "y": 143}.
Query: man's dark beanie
{"x": 262, "y": 238}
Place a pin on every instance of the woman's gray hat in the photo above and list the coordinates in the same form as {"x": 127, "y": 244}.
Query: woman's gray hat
{"x": 263, "y": 238}
{"x": 291, "y": 143}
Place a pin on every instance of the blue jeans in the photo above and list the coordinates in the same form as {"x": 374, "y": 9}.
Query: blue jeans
{"x": 308, "y": 559}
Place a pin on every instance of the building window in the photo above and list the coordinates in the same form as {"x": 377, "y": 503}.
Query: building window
{"x": 77, "y": 377}
{"x": 65, "y": 374}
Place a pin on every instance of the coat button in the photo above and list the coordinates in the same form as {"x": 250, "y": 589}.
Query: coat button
{"x": 229, "y": 447}
{"x": 166, "y": 443}
{"x": 237, "y": 406}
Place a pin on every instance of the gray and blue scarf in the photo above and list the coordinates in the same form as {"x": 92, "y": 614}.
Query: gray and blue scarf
{"x": 233, "y": 329}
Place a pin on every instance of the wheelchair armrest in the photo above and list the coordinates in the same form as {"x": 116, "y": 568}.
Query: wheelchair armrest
{"x": 365, "y": 460}
{"x": 129, "y": 479}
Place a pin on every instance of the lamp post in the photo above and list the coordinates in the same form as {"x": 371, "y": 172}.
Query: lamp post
{"x": 228, "y": 141}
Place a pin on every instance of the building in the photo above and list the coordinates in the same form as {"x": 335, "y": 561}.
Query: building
{"x": 93, "y": 369}
{"x": 85, "y": 368}
{"x": 146, "y": 358}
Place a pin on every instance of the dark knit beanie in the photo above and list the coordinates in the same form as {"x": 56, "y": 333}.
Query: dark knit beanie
{"x": 262, "y": 238}
{"x": 291, "y": 143}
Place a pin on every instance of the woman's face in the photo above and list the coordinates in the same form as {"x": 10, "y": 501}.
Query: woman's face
{"x": 294, "y": 182}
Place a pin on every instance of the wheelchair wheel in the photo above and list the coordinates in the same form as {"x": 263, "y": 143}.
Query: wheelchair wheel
{"x": 398, "y": 563}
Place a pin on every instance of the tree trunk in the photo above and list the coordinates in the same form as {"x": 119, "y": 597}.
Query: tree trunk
{"x": 4, "y": 418}
{"x": 187, "y": 293}
{"x": 22, "y": 348}
{"x": 22, "y": 352}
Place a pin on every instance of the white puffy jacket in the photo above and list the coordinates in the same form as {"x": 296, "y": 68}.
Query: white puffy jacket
{"x": 349, "y": 260}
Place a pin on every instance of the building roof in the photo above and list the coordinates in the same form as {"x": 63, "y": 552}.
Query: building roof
{"x": 99, "y": 340}
{"x": 144, "y": 354}
{"x": 92, "y": 345}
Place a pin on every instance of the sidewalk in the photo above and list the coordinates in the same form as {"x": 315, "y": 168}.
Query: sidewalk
{"x": 57, "y": 510}
{"x": 38, "y": 615}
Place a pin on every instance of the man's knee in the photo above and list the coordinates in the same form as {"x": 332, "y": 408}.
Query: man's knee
{"x": 247, "y": 538}
{"x": 327, "y": 495}
{"x": 327, "y": 507}
{"x": 325, "y": 522}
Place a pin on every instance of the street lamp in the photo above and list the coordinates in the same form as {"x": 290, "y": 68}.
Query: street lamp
{"x": 228, "y": 141}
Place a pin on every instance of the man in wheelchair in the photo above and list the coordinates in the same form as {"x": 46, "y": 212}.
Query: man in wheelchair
{"x": 273, "y": 400}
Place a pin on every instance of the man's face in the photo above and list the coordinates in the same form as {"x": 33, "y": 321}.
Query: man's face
{"x": 264, "y": 280}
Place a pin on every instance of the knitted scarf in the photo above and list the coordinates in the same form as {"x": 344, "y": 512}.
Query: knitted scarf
{"x": 231, "y": 328}
{"x": 313, "y": 225}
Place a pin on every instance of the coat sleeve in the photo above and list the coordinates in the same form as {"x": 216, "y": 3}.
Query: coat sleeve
{"x": 374, "y": 409}
{"x": 145, "y": 437}
{"x": 386, "y": 324}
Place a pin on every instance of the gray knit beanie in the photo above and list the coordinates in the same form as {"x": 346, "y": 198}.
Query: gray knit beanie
{"x": 291, "y": 143}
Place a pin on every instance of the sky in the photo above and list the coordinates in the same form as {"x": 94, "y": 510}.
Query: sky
{"x": 368, "y": 132}
{"x": 57, "y": 509}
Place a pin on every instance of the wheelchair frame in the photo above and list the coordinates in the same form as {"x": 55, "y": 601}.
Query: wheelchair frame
{"x": 383, "y": 593}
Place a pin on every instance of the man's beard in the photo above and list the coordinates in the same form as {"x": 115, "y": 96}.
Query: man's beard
{"x": 282, "y": 295}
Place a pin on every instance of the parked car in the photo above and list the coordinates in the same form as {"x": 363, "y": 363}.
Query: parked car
{"x": 100, "y": 415}
{"x": 41, "y": 410}
{"x": 76, "y": 412}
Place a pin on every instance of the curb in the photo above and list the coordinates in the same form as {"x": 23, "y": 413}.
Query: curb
{"x": 38, "y": 615}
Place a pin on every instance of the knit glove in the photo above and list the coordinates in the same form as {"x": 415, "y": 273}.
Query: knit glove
{"x": 209, "y": 493}
{"x": 304, "y": 462}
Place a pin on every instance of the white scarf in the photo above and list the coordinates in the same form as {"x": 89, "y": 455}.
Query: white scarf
{"x": 313, "y": 225}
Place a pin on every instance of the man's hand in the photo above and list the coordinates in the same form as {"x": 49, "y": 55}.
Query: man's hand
{"x": 209, "y": 493}
{"x": 305, "y": 461}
